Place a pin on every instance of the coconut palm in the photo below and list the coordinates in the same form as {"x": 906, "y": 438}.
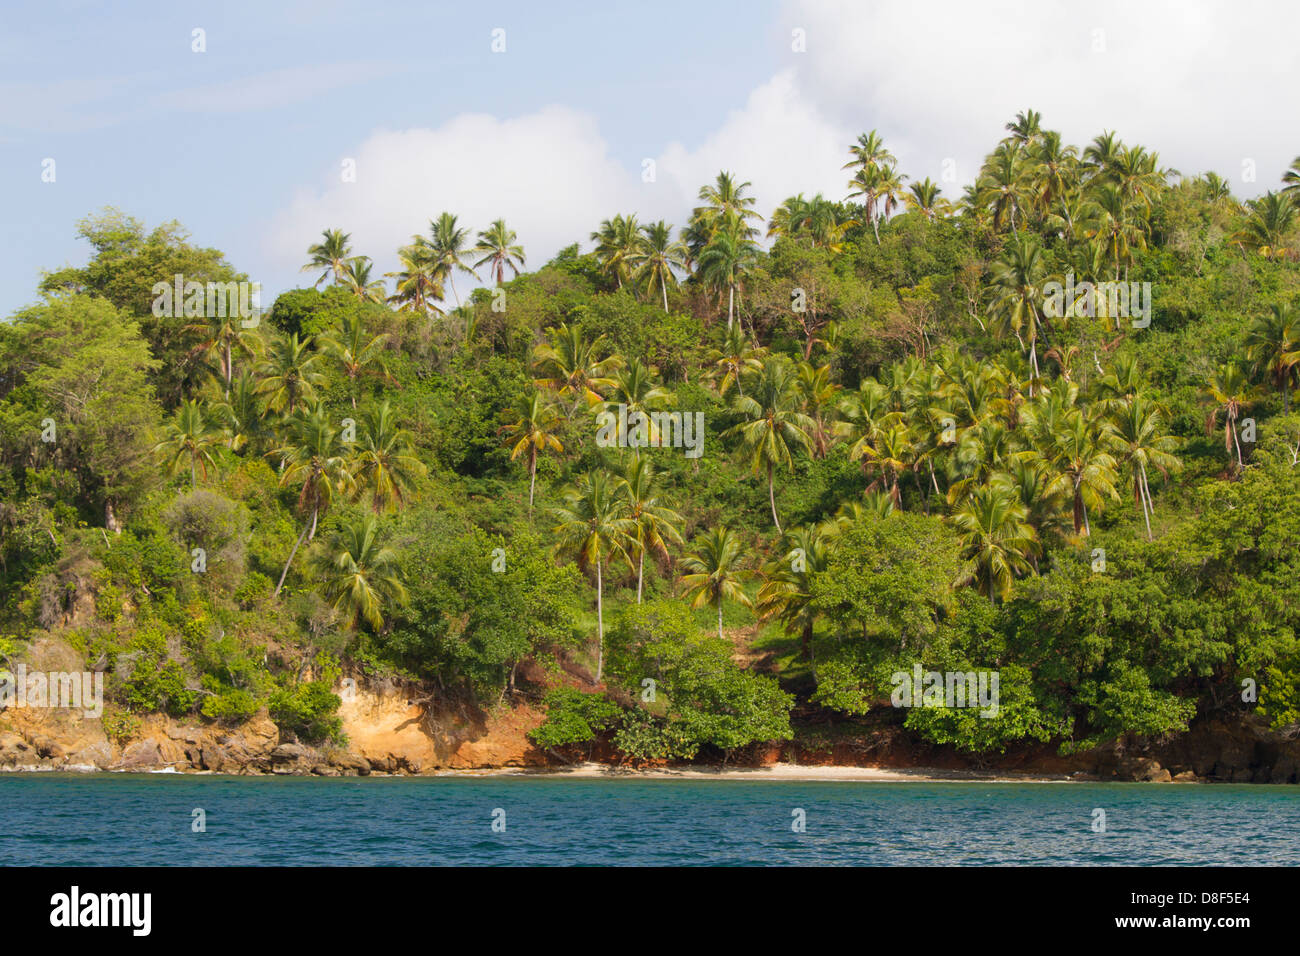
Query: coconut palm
{"x": 222, "y": 338}
{"x": 189, "y": 438}
{"x": 786, "y": 589}
{"x": 660, "y": 255}
{"x": 869, "y": 150}
{"x": 923, "y": 197}
{"x": 714, "y": 572}
{"x": 1137, "y": 435}
{"x": 654, "y": 523}
{"x": 996, "y": 538}
{"x": 330, "y": 255}
{"x": 1017, "y": 281}
{"x": 314, "y": 458}
{"x": 594, "y": 524}
{"x": 573, "y": 367}
{"x": 240, "y": 415}
{"x": 357, "y": 574}
{"x": 1003, "y": 186}
{"x": 500, "y": 249}
{"x": 728, "y": 257}
{"x": 735, "y": 361}
{"x": 1114, "y": 229}
{"x": 726, "y": 200}
{"x": 618, "y": 246}
{"x": 1229, "y": 391}
{"x": 358, "y": 278}
{"x": 820, "y": 399}
{"x": 772, "y": 422}
{"x": 1085, "y": 469}
{"x": 355, "y": 349}
{"x": 449, "y": 250}
{"x": 530, "y": 426}
{"x": 1269, "y": 228}
{"x": 290, "y": 374}
{"x": 635, "y": 388}
{"x": 418, "y": 284}
{"x": 385, "y": 462}
{"x": 1273, "y": 344}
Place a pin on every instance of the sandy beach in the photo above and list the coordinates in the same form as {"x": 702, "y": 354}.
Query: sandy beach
{"x": 773, "y": 772}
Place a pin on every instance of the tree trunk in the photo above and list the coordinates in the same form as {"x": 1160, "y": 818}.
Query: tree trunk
{"x": 600, "y": 624}
{"x": 532, "y": 481}
{"x": 719, "y": 615}
{"x": 1142, "y": 493}
{"x": 285, "y": 572}
{"x": 663, "y": 286}
{"x": 731, "y": 298}
{"x": 771, "y": 497}
{"x": 640, "y": 573}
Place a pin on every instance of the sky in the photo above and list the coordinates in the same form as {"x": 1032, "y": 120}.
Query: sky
{"x": 558, "y": 115}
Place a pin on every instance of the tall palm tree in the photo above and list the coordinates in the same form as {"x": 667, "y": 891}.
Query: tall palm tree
{"x": 820, "y": 399}
{"x": 449, "y": 250}
{"x": 223, "y": 337}
{"x": 786, "y": 591}
{"x": 1114, "y": 229}
{"x": 923, "y": 197}
{"x": 330, "y": 255}
{"x": 290, "y": 374}
{"x": 385, "y": 462}
{"x": 500, "y": 249}
{"x": 772, "y": 423}
{"x": 996, "y": 537}
{"x": 634, "y": 387}
{"x": 573, "y": 367}
{"x": 1137, "y": 433}
{"x": 1273, "y": 344}
{"x": 240, "y": 416}
{"x": 735, "y": 361}
{"x": 595, "y": 525}
{"x": 1269, "y": 228}
{"x": 1004, "y": 184}
{"x": 359, "y": 280}
{"x": 314, "y": 458}
{"x": 618, "y": 246}
{"x": 418, "y": 285}
{"x": 1017, "y": 280}
{"x": 728, "y": 257}
{"x": 654, "y": 523}
{"x": 1229, "y": 391}
{"x": 725, "y": 200}
{"x": 355, "y": 349}
{"x": 714, "y": 572}
{"x": 530, "y": 426}
{"x": 190, "y": 437}
{"x": 660, "y": 256}
{"x": 357, "y": 574}
{"x": 1086, "y": 470}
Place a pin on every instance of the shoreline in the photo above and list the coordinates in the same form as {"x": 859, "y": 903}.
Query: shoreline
{"x": 591, "y": 770}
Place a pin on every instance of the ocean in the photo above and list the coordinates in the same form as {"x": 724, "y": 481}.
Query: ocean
{"x": 151, "y": 819}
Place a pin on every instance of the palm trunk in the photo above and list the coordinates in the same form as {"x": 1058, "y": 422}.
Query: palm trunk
{"x": 296, "y": 544}
{"x": 771, "y": 497}
{"x": 663, "y": 286}
{"x": 640, "y": 573}
{"x": 600, "y": 624}
{"x": 532, "y": 481}
{"x": 731, "y": 299}
{"x": 1142, "y": 493}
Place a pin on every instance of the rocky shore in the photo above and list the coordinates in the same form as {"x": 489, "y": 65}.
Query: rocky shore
{"x": 388, "y": 732}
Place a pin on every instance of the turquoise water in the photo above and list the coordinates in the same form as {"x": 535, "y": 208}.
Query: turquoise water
{"x": 121, "y": 819}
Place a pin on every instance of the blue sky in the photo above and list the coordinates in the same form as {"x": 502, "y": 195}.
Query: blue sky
{"x": 243, "y": 143}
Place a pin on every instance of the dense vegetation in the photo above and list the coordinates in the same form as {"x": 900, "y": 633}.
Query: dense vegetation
{"x": 912, "y": 453}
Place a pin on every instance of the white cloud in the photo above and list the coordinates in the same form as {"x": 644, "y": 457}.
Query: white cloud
{"x": 1206, "y": 83}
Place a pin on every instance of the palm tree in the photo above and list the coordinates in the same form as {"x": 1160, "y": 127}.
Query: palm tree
{"x": 289, "y": 374}
{"x": 1137, "y": 434}
{"x": 869, "y": 150}
{"x": 1292, "y": 179}
{"x": 355, "y": 350}
{"x": 634, "y": 387}
{"x": 1268, "y": 228}
{"x": 1085, "y": 469}
{"x": 357, "y": 574}
{"x": 533, "y": 430}
{"x": 655, "y": 524}
{"x": 772, "y": 423}
{"x": 190, "y": 435}
{"x": 418, "y": 283}
{"x": 660, "y": 255}
{"x": 498, "y": 244}
{"x": 618, "y": 246}
{"x": 787, "y": 580}
{"x": 1273, "y": 344}
{"x": 996, "y": 537}
{"x": 314, "y": 458}
{"x": 240, "y": 416}
{"x": 357, "y": 278}
{"x": 923, "y": 197}
{"x": 714, "y": 572}
{"x": 1027, "y": 128}
{"x": 594, "y": 524}
{"x": 571, "y": 366}
{"x": 1113, "y": 228}
{"x": 330, "y": 254}
{"x": 1017, "y": 282}
{"x": 735, "y": 360}
{"x": 1230, "y": 392}
{"x": 820, "y": 398}
{"x": 449, "y": 250}
{"x": 727, "y": 258}
{"x": 222, "y": 337}
{"x": 1003, "y": 184}
{"x": 725, "y": 200}
{"x": 385, "y": 460}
